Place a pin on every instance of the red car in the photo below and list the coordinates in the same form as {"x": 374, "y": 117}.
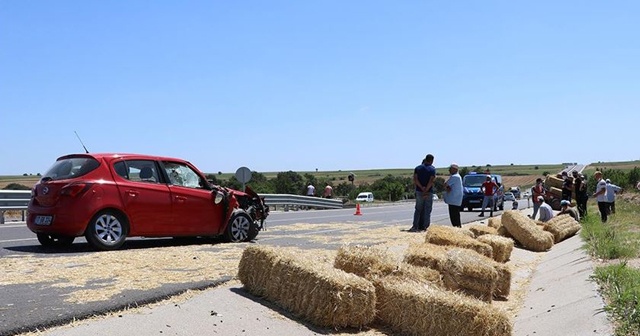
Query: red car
{"x": 109, "y": 197}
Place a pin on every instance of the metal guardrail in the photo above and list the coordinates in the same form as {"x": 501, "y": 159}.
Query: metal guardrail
{"x": 298, "y": 202}
{"x": 14, "y": 200}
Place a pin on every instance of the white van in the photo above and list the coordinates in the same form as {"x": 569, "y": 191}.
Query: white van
{"x": 365, "y": 197}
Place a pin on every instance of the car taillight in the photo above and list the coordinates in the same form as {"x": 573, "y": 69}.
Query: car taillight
{"x": 74, "y": 189}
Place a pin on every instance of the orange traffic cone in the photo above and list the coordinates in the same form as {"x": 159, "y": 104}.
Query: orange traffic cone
{"x": 358, "y": 213}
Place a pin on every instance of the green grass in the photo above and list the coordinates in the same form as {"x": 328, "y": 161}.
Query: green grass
{"x": 617, "y": 241}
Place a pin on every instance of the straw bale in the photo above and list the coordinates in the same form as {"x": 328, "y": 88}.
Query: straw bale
{"x": 494, "y": 222}
{"x": 442, "y": 235}
{"x": 555, "y": 191}
{"x": 502, "y": 246}
{"x": 427, "y": 255}
{"x": 316, "y": 292}
{"x": 562, "y": 227}
{"x": 367, "y": 262}
{"x": 526, "y": 232}
{"x": 471, "y": 273}
{"x": 372, "y": 263}
{"x": 553, "y": 182}
{"x": 479, "y": 230}
{"x": 415, "y": 309}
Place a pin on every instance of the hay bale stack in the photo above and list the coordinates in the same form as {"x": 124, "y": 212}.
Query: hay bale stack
{"x": 557, "y": 192}
{"x": 526, "y": 232}
{"x": 502, "y": 246}
{"x": 427, "y": 255}
{"x": 479, "y": 230}
{"x": 443, "y": 235}
{"x": 318, "y": 293}
{"x": 413, "y": 309}
{"x": 553, "y": 182}
{"x": 562, "y": 227}
{"x": 470, "y": 273}
{"x": 373, "y": 263}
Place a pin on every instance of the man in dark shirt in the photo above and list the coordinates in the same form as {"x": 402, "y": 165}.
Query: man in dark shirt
{"x": 567, "y": 187}
{"x": 423, "y": 177}
{"x": 580, "y": 187}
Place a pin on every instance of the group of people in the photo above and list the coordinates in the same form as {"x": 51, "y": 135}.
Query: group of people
{"x": 327, "y": 193}
{"x": 605, "y": 194}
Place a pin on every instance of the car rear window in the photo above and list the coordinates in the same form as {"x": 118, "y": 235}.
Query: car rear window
{"x": 71, "y": 168}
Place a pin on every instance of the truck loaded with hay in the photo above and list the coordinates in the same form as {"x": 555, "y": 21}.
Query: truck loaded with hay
{"x": 553, "y": 186}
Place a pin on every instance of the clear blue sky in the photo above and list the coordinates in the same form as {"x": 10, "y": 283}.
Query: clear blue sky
{"x": 300, "y": 85}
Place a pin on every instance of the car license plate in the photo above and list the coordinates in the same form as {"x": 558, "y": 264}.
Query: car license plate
{"x": 44, "y": 220}
{"x": 474, "y": 201}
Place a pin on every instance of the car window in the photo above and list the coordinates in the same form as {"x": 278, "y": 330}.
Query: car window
{"x": 182, "y": 175}
{"x": 138, "y": 170}
{"x": 71, "y": 168}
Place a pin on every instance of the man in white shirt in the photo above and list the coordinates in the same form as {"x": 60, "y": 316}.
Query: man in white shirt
{"x": 612, "y": 190}
{"x": 453, "y": 195}
{"x": 311, "y": 190}
{"x": 546, "y": 213}
{"x": 601, "y": 196}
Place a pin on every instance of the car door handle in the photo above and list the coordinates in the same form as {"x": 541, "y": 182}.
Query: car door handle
{"x": 132, "y": 193}
{"x": 181, "y": 198}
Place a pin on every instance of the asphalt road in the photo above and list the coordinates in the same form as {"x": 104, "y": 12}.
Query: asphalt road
{"x": 24, "y": 307}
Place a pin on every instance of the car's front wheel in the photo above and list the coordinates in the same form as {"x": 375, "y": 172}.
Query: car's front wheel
{"x": 107, "y": 230}
{"x": 48, "y": 240}
{"x": 240, "y": 228}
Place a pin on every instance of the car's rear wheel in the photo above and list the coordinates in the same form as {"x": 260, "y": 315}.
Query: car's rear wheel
{"x": 107, "y": 230}
{"x": 48, "y": 240}
{"x": 241, "y": 228}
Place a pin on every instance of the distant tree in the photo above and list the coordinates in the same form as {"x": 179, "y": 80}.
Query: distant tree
{"x": 545, "y": 173}
{"x": 288, "y": 183}
{"x": 463, "y": 171}
{"x": 488, "y": 165}
{"x": 536, "y": 167}
{"x": 219, "y": 173}
{"x": 25, "y": 174}
{"x": 512, "y": 164}
{"x": 39, "y": 174}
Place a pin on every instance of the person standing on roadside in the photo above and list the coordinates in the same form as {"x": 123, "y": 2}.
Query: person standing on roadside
{"x": 537, "y": 191}
{"x": 567, "y": 187}
{"x": 311, "y": 190}
{"x": 580, "y": 187}
{"x": 490, "y": 188}
{"x": 423, "y": 177}
{"x": 328, "y": 191}
{"x": 453, "y": 195}
{"x": 612, "y": 189}
{"x": 601, "y": 196}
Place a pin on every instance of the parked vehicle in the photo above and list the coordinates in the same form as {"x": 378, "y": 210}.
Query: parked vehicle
{"x": 365, "y": 197}
{"x": 515, "y": 191}
{"x": 472, "y": 194}
{"x": 109, "y": 197}
{"x": 509, "y": 196}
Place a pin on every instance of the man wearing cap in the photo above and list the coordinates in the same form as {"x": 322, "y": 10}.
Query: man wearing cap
{"x": 566, "y": 208}
{"x": 546, "y": 213}
{"x": 453, "y": 195}
{"x": 490, "y": 189}
{"x": 580, "y": 187}
{"x": 612, "y": 189}
{"x": 601, "y": 196}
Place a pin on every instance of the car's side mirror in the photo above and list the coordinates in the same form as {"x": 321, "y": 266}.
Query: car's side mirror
{"x": 218, "y": 198}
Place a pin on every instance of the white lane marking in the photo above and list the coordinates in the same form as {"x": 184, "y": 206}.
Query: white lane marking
{"x": 17, "y": 240}
{"x": 9, "y": 226}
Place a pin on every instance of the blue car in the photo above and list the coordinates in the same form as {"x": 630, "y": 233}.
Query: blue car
{"x": 473, "y": 195}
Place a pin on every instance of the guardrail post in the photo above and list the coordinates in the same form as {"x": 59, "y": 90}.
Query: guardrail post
{"x": 2, "y": 217}
{"x": 23, "y": 214}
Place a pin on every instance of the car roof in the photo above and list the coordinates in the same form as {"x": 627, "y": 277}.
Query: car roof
{"x": 111, "y": 156}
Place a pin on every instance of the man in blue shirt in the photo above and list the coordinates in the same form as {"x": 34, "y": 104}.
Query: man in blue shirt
{"x": 423, "y": 177}
{"x": 453, "y": 195}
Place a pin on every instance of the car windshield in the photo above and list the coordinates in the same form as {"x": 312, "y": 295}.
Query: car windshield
{"x": 71, "y": 168}
{"x": 474, "y": 180}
